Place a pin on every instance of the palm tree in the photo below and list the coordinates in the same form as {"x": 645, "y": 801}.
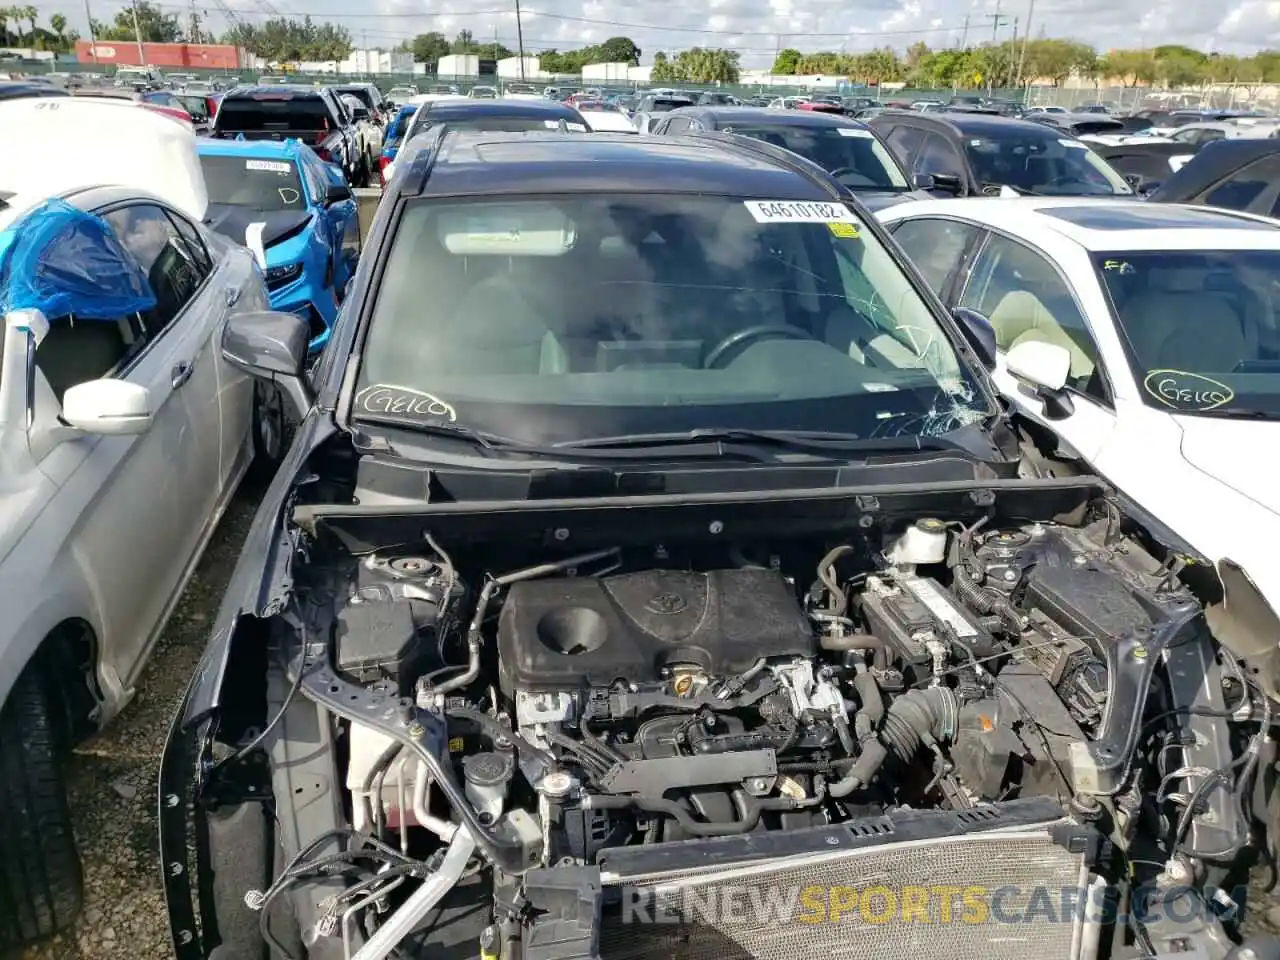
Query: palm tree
{"x": 29, "y": 14}
{"x": 4, "y": 24}
{"x": 59, "y": 24}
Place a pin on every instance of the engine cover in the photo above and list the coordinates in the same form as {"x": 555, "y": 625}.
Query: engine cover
{"x": 569, "y": 633}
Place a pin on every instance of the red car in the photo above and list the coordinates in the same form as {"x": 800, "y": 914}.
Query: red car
{"x": 161, "y": 101}
{"x": 820, "y": 106}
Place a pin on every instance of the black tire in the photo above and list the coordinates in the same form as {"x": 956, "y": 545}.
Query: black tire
{"x": 271, "y": 430}
{"x": 41, "y": 880}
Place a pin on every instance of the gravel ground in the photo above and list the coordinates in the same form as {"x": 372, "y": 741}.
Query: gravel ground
{"x": 113, "y": 783}
{"x": 113, "y": 777}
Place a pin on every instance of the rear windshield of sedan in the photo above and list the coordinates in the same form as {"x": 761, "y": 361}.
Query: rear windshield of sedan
{"x": 852, "y": 155}
{"x": 1199, "y": 328}
{"x": 1045, "y": 164}
{"x": 268, "y": 185}
{"x": 559, "y": 318}
{"x": 492, "y": 122}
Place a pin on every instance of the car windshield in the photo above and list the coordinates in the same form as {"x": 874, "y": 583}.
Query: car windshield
{"x": 267, "y": 185}
{"x": 490, "y": 122}
{"x": 1199, "y": 327}
{"x": 571, "y": 317}
{"x": 666, "y": 105}
{"x": 363, "y": 94}
{"x": 851, "y": 154}
{"x": 1047, "y": 164}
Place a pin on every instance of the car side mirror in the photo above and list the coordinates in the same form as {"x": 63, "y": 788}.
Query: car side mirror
{"x": 107, "y": 407}
{"x": 947, "y": 183}
{"x": 336, "y": 194}
{"x": 978, "y": 333}
{"x": 924, "y": 181}
{"x": 272, "y": 346}
{"x": 1044, "y": 369}
{"x": 1136, "y": 181}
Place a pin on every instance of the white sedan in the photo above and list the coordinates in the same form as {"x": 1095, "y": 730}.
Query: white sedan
{"x": 123, "y": 433}
{"x": 1146, "y": 339}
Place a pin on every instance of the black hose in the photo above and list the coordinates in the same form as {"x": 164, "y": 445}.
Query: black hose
{"x": 376, "y": 772}
{"x": 870, "y": 697}
{"x": 916, "y": 718}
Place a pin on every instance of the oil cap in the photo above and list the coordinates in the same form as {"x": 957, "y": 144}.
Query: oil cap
{"x": 488, "y": 769}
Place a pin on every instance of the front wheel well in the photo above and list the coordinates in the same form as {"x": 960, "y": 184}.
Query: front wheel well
{"x": 67, "y": 658}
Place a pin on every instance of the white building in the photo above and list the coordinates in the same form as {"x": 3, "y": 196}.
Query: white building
{"x": 459, "y": 65}
{"x": 606, "y": 72}
{"x": 639, "y": 74}
{"x": 377, "y": 61}
{"x": 512, "y": 69}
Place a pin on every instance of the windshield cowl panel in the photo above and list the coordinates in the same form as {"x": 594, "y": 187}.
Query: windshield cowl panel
{"x": 558, "y": 319}
{"x": 1199, "y": 328}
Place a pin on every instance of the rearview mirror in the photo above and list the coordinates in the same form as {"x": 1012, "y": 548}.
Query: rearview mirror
{"x": 947, "y": 183}
{"x": 271, "y": 345}
{"x": 107, "y": 407}
{"x": 1136, "y": 181}
{"x": 1044, "y": 368}
{"x": 979, "y": 333}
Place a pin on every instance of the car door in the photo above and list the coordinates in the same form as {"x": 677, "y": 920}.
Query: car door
{"x": 341, "y": 225}
{"x": 1025, "y": 295}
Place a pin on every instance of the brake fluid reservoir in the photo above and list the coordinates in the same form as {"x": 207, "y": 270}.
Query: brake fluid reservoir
{"x": 925, "y": 541}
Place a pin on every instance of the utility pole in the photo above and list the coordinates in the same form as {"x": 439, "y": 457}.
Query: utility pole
{"x": 996, "y": 22}
{"x": 964, "y": 34}
{"x": 519, "y": 40}
{"x": 93, "y": 34}
{"x": 1026, "y": 40}
{"x": 137, "y": 33}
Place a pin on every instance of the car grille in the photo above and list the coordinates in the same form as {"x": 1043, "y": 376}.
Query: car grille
{"x": 714, "y": 912}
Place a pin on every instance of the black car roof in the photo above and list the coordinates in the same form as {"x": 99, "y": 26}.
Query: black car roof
{"x": 1211, "y": 163}
{"x": 272, "y": 91}
{"x": 474, "y": 162}
{"x": 776, "y": 118}
{"x": 972, "y": 124}
{"x": 16, "y": 89}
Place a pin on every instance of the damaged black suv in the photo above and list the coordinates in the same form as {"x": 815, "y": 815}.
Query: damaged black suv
{"x": 655, "y": 574}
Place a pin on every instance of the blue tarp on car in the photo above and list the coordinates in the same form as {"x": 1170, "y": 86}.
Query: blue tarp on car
{"x": 63, "y": 262}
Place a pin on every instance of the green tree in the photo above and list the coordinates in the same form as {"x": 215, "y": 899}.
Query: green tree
{"x": 282, "y": 39}
{"x": 427, "y": 47}
{"x": 59, "y": 24}
{"x": 1133, "y": 68}
{"x": 154, "y": 25}
{"x": 618, "y": 50}
{"x": 463, "y": 43}
{"x": 786, "y": 61}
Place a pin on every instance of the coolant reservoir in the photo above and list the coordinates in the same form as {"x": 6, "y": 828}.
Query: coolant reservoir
{"x": 367, "y": 745}
{"x": 925, "y": 541}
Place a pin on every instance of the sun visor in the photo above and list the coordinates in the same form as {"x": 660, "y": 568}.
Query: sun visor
{"x": 57, "y": 144}
{"x": 507, "y": 230}
{"x": 64, "y": 262}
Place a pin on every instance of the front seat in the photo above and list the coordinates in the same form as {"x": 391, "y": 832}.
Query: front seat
{"x": 501, "y": 325}
{"x": 1020, "y": 316}
{"x": 1195, "y": 332}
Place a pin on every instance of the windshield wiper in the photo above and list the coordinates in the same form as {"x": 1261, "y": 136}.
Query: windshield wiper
{"x": 823, "y": 441}
{"x": 1235, "y": 413}
{"x": 460, "y": 431}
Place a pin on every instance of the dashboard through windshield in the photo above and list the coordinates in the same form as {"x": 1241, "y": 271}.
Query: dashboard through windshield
{"x": 850, "y": 154}
{"x": 1044, "y": 164}
{"x": 1200, "y": 327}
{"x": 563, "y": 318}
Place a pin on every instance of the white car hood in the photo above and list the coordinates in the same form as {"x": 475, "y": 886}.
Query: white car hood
{"x": 1231, "y": 451}
{"x": 606, "y": 121}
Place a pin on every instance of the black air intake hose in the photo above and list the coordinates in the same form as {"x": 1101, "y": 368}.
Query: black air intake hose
{"x": 921, "y": 717}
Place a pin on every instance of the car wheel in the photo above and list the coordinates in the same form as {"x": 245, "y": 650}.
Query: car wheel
{"x": 41, "y": 882}
{"x": 270, "y": 429}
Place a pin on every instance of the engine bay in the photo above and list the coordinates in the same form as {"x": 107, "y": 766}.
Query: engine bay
{"x": 504, "y": 735}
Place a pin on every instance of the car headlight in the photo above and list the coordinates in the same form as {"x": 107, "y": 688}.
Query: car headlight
{"x": 279, "y": 276}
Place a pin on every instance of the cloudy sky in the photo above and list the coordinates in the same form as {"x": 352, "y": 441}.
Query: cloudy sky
{"x": 758, "y": 27}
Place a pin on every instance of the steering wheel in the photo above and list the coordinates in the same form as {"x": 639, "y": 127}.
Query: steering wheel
{"x": 839, "y": 172}
{"x": 738, "y": 337}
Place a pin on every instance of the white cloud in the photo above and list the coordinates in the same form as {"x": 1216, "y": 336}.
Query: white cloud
{"x": 758, "y": 27}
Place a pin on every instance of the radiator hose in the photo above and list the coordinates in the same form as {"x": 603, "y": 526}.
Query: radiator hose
{"x": 918, "y": 718}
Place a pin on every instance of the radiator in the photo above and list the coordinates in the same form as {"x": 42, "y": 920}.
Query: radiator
{"x": 872, "y": 888}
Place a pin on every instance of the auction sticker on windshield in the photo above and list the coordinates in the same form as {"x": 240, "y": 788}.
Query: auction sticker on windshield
{"x": 270, "y": 166}
{"x": 799, "y": 211}
{"x": 854, "y": 132}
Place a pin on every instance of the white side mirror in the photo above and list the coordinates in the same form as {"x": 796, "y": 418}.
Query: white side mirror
{"x": 1043, "y": 366}
{"x": 107, "y": 407}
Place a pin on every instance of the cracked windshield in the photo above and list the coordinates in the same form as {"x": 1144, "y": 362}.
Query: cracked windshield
{"x": 567, "y": 318}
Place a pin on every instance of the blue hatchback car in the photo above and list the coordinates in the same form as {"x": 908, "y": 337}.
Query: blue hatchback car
{"x": 396, "y": 130}
{"x": 296, "y": 213}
